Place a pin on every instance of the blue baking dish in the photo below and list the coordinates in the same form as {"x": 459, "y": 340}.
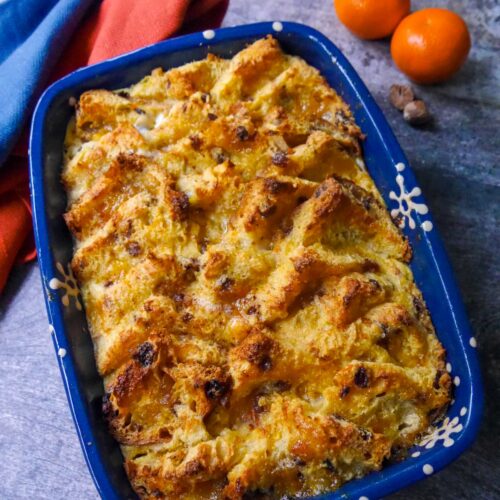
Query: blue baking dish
{"x": 387, "y": 165}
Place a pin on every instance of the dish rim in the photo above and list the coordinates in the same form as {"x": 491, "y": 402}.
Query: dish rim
{"x": 374, "y": 485}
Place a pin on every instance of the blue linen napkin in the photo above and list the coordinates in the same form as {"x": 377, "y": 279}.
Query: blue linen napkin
{"x": 33, "y": 34}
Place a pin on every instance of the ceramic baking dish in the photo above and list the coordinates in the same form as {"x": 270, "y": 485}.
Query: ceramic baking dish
{"x": 388, "y": 167}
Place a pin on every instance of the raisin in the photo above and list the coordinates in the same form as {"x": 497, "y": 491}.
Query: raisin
{"x": 195, "y": 141}
{"x": 145, "y": 354}
{"x": 344, "y": 391}
{"x": 180, "y": 204}
{"x": 367, "y": 201}
{"x": 267, "y": 211}
{"x": 218, "y": 155}
{"x": 273, "y": 186}
{"x": 178, "y": 297}
{"x": 329, "y": 465}
{"x": 133, "y": 248}
{"x": 369, "y": 266}
{"x": 361, "y": 377}
{"x": 320, "y": 190}
{"x": 279, "y": 158}
{"x": 225, "y": 283}
{"x": 163, "y": 433}
{"x": 192, "y": 265}
{"x": 130, "y": 226}
{"x": 187, "y": 317}
{"x": 266, "y": 364}
{"x": 107, "y": 406}
{"x": 242, "y": 133}
{"x": 215, "y": 389}
{"x": 281, "y": 386}
{"x": 418, "y": 305}
{"x": 365, "y": 434}
{"x": 220, "y": 158}
{"x": 212, "y": 116}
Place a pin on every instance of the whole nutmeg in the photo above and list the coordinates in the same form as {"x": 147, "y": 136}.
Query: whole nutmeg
{"x": 400, "y": 96}
{"x": 416, "y": 113}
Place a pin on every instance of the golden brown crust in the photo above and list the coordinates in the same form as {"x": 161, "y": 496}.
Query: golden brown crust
{"x": 252, "y": 311}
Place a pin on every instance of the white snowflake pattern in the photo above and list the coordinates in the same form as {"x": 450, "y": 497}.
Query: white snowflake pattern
{"x": 406, "y": 203}
{"x": 444, "y": 432}
{"x": 68, "y": 285}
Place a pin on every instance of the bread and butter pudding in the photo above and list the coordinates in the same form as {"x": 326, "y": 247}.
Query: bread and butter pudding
{"x": 253, "y": 314}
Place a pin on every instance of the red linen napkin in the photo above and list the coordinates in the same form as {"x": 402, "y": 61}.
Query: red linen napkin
{"x": 112, "y": 28}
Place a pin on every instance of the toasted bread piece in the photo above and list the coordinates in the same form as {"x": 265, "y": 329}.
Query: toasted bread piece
{"x": 254, "y": 318}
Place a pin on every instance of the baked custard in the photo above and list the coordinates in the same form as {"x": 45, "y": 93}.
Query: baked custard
{"x": 254, "y": 317}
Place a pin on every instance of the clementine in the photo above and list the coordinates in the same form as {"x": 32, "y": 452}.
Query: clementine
{"x": 371, "y": 19}
{"x": 430, "y": 45}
